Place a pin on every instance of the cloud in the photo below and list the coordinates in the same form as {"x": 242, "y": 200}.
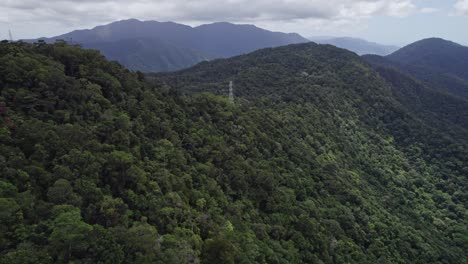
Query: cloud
{"x": 461, "y": 7}
{"x": 202, "y": 10}
{"x": 85, "y": 13}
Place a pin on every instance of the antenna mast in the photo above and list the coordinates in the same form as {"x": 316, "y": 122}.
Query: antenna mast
{"x": 11, "y": 35}
{"x": 231, "y": 92}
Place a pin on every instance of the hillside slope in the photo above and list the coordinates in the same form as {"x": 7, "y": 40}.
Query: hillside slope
{"x": 316, "y": 162}
{"x": 438, "y": 109}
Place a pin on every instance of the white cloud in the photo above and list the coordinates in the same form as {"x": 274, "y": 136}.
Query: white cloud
{"x": 65, "y": 14}
{"x": 461, "y": 7}
{"x": 209, "y": 9}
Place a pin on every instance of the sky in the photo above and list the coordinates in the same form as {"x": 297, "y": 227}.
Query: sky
{"x": 397, "y": 22}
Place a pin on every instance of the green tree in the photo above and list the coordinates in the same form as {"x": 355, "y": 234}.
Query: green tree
{"x": 69, "y": 237}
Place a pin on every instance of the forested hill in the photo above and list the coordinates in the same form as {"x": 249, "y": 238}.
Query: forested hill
{"x": 310, "y": 71}
{"x": 439, "y": 63}
{"x": 435, "y": 53}
{"x": 317, "y": 161}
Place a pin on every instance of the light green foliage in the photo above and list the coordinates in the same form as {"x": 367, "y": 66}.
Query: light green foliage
{"x": 69, "y": 235}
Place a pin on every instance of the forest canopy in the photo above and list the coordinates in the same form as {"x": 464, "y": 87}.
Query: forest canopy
{"x": 319, "y": 160}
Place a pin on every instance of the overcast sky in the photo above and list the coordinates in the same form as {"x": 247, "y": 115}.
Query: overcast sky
{"x": 386, "y": 21}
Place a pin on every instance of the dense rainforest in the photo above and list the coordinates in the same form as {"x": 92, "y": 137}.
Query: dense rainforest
{"x": 320, "y": 159}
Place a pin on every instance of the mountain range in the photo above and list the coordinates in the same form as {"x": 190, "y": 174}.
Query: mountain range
{"x": 152, "y": 46}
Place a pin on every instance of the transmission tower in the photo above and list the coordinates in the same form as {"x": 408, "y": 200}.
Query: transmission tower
{"x": 11, "y": 35}
{"x": 231, "y": 92}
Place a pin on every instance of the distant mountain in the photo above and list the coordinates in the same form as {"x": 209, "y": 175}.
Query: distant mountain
{"x": 359, "y": 46}
{"x": 439, "y": 63}
{"x": 165, "y": 46}
{"x": 148, "y": 55}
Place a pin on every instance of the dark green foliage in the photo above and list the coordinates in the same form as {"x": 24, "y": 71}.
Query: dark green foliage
{"x": 436, "y": 108}
{"x": 319, "y": 161}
